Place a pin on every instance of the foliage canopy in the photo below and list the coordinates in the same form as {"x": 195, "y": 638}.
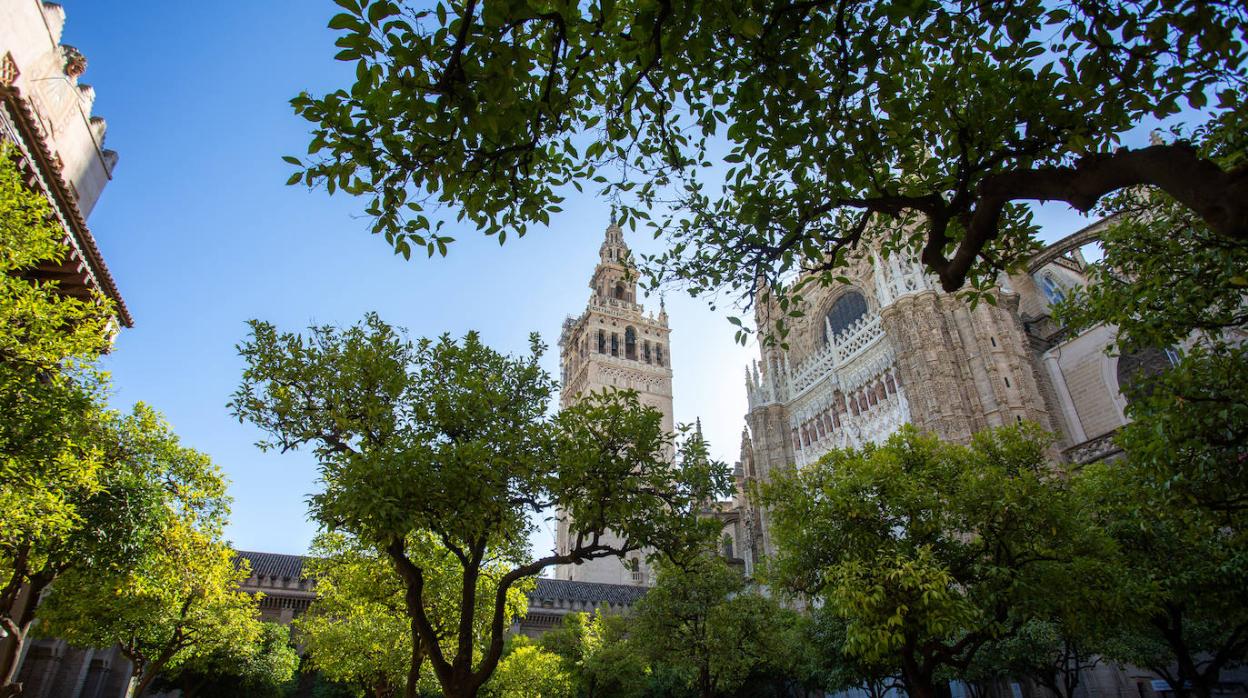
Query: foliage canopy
{"x": 452, "y": 440}
{"x": 775, "y": 133}
{"x": 930, "y": 550}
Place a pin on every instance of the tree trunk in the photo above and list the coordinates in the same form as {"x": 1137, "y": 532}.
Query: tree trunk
{"x": 459, "y": 691}
{"x": 704, "y": 682}
{"x": 1072, "y": 668}
{"x": 149, "y": 673}
{"x": 13, "y": 651}
{"x": 918, "y": 679}
{"x": 1201, "y": 685}
{"x": 413, "y": 670}
{"x": 19, "y": 629}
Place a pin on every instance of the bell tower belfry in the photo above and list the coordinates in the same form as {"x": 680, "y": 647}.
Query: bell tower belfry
{"x": 614, "y": 344}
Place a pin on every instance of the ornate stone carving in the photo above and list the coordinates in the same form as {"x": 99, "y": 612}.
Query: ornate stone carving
{"x": 75, "y": 62}
{"x": 8, "y": 70}
{"x": 1094, "y": 449}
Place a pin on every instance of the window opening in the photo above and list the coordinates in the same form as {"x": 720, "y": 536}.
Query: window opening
{"x": 845, "y": 312}
{"x": 1052, "y": 290}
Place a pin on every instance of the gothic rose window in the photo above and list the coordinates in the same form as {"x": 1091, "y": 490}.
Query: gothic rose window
{"x": 845, "y": 312}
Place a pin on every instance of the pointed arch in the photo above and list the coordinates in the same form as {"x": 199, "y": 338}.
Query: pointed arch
{"x": 847, "y": 310}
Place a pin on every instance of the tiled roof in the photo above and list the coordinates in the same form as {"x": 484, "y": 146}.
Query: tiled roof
{"x": 588, "y": 592}
{"x": 273, "y": 564}
{"x": 84, "y": 241}
{"x": 291, "y": 566}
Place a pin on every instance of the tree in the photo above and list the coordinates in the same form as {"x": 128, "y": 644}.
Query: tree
{"x": 143, "y": 480}
{"x": 1168, "y": 282}
{"x": 182, "y": 602}
{"x": 529, "y": 671}
{"x": 931, "y": 550}
{"x": 1187, "y": 576}
{"x": 598, "y": 654}
{"x": 50, "y": 453}
{"x": 43, "y": 329}
{"x": 453, "y": 440}
{"x": 148, "y": 569}
{"x": 1176, "y": 502}
{"x": 701, "y": 619}
{"x": 357, "y": 630}
{"x": 833, "y": 669}
{"x": 265, "y": 669}
{"x": 1048, "y": 652}
{"x": 946, "y": 117}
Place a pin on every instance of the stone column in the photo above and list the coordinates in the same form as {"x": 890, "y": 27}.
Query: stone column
{"x": 964, "y": 370}
{"x": 40, "y": 669}
{"x": 98, "y": 675}
{"x": 931, "y": 361}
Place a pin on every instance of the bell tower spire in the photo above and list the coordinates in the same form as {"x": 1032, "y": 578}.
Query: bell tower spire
{"x": 614, "y": 345}
{"x": 615, "y": 277}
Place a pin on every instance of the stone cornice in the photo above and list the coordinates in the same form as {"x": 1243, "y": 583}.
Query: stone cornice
{"x": 93, "y": 272}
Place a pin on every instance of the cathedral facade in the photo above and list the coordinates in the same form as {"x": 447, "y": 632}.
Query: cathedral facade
{"x": 890, "y": 347}
{"x": 613, "y": 344}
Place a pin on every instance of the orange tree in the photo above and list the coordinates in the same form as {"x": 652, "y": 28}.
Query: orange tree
{"x": 776, "y": 132}
{"x": 454, "y": 439}
{"x": 930, "y": 550}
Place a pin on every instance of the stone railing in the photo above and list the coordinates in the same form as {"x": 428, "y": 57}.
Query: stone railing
{"x": 844, "y": 347}
{"x": 856, "y": 338}
{"x": 618, "y": 308}
{"x": 873, "y": 425}
{"x": 1094, "y": 449}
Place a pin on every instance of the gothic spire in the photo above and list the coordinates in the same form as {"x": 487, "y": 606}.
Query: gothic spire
{"x": 614, "y": 249}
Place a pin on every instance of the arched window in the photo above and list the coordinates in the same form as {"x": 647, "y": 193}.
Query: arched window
{"x": 845, "y": 312}
{"x": 1137, "y": 370}
{"x": 1052, "y": 290}
{"x": 658, "y": 354}
{"x": 619, "y": 291}
{"x": 602, "y": 342}
{"x": 630, "y": 343}
{"x": 615, "y": 344}
{"x": 646, "y": 349}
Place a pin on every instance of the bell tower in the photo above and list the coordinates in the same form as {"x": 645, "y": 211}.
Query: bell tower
{"x": 614, "y": 344}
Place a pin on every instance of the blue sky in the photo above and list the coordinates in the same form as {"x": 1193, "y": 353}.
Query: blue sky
{"x": 202, "y": 234}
